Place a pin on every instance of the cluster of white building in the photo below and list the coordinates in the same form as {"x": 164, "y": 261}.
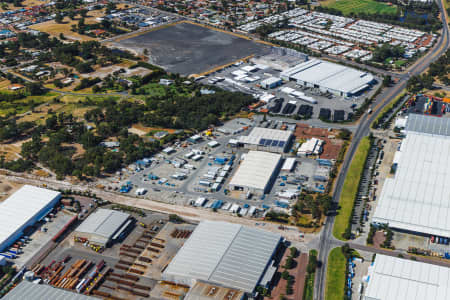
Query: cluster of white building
{"x": 314, "y": 31}
{"x": 253, "y": 25}
{"x": 312, "y": 146}
{"x": 215, "y": 176}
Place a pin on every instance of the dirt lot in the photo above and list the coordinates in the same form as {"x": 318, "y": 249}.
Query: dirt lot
{"x": 142, "y": 130}
{"x": 7, "y": 188}
{"x": 332, "y": 146}
{"x": 4, "y": 84}
{"x": 186, "y": 48}
{"x": 54, "y": 29}
{"x": 102, "y": 72}
{"x": 40, "y": 112}
{"x": 11, "y": 151}
{"x": 299, "y": 274}
{"x": 378, "y": 239}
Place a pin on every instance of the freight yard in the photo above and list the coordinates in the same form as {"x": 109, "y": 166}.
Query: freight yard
{"x": 133, "y": 263}
{"x": 129, "y": 269}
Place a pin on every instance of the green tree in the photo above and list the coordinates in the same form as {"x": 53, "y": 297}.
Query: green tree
{"x": 59, "y": 18}
{"x": 387, "y": 80}
{"x": 83, "y": 13}
{"x": 285, "y": 275}
{"x": 289, "y": 263}
{"x": 71, "y": 14}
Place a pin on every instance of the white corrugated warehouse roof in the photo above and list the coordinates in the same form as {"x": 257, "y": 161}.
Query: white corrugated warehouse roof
{"x": 22, "y": 206}
{"x": 288, "y": 164}
{"x": 103, "y": 222}
{"x": 260, "y": 135}
{"x": 331, "y": 76}
{"x": 256, "y": 169}
{"x": 401, "y": 279}
{"x": 428, "y": 124}
{"x": 223, "y": 253}
{"x": 418, "y": 197}
{"x": 30, "y": 291}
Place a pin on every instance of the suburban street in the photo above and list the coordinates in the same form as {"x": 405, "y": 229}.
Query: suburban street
{"x": 327, "y": 241}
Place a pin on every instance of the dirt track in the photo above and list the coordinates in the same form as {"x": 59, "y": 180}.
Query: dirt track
{"x": 188, "y": 212}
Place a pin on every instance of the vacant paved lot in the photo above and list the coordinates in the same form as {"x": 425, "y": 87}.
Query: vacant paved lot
{"x": 191, "y": 49}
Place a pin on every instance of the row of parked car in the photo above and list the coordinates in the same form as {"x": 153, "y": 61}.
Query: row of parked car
{"x": 439, "y": 240}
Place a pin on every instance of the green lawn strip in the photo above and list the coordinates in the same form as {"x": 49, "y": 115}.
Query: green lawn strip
{"x": 309, "y": 282}
{"x": 350, "y": 189}
{"x": 335, "y": 280}
{"x": 400, "y": 62}
{"x": 388, "y": 108}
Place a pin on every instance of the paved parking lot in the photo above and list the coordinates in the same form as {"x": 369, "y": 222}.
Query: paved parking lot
{"x": 40, "y": 239}
{"x": 360, "y": 215}
{"x": 361, "y": 269}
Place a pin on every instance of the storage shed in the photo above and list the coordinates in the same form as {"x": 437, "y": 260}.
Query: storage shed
{"x": 103, "y": 226}
{"x": 271, "y": 82}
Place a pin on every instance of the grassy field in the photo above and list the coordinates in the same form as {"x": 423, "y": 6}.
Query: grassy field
{"x": 67, "y": 104}
{"x": 358, "y": 6}
{"x": 23, "y": 105}
{"x": 54, "y": 29}
{"x": 156, "y": 89}
{"x": 4, "y": 84}
{"x": 335, "y": 279}
{"x": 350, "y": 188}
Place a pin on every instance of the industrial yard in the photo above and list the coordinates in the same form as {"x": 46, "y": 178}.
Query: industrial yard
{"x": 289, "y": 83}
{"x": 144, "y": 256}
{"x": 128, "y": 268}
{"x": 210, "y": 170}
{"x": 224, "y": 150}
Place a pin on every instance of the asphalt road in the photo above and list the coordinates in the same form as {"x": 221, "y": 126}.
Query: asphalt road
{"x": 327, "y": 241}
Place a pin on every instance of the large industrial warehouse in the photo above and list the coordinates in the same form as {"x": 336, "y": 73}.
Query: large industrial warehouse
{"x": 22, "y": 209}
{"x": 401, "y": 279}
{"x": 230, "y": 255}
{"x": 417, "y": 199}
{"x": 32, "y": 291}
{"x": 256, "y": 172}
{"x": 103, "y": 226}
{"x": 266, "y": 139}
{"x": 329, "y": 77}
